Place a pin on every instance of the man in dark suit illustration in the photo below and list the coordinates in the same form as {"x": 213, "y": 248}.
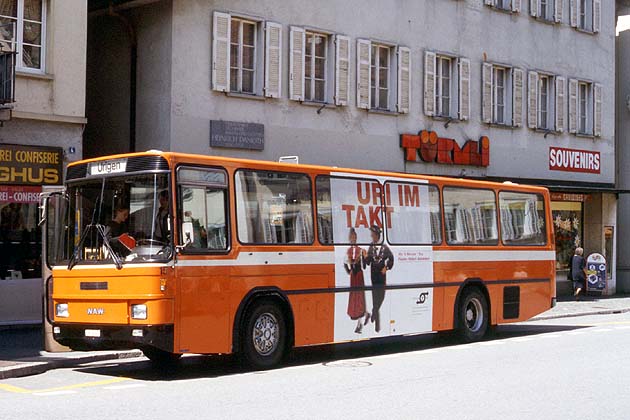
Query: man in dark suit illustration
{"x": 380, "y": 259}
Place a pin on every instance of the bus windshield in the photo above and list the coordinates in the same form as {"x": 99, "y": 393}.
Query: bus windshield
{"x": 113, "y": 220}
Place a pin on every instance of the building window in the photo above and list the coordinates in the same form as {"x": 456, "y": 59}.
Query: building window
{"x": 586, "y": 14}
{"x": 498, "y": 95}
{"x": 443, "y": 77}
{"x": 583, "y": 100}
{"x": 23, "y": 30}
{"x": 379, "y": 76}
{"x": 316, "y": 51}
{"x": 509, "y": 5}
{"x": 543, "y": 102}
{"x": 243, "y": 56}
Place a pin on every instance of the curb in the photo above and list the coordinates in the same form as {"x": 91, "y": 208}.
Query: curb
{"x": 576, "y": 314}
{"x": 36, "y": 368}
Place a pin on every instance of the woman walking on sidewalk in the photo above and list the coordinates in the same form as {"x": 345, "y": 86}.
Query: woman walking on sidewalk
{"x": 577, "y": 271}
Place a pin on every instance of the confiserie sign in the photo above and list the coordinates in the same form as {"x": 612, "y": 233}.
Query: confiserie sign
{"x": 431, "y": 148}
{"x": 30, "y": 165}
{"x": 574, "y": 160}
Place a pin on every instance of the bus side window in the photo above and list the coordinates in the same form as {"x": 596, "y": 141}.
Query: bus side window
{"x": 203, "y": 202}
{"x": 274, "y": 207}
{"x": 470, "y": 216}
{"x": 522, "y": 218}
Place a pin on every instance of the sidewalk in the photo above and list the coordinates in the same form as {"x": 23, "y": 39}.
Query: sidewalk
{"x": 21, "y": 354}
{"x": 569, "y": 307}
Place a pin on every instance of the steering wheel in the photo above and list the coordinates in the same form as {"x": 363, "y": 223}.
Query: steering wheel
{"x": 150, "y": 242}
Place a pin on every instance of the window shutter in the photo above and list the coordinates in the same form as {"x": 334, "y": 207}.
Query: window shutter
{"x": 297, "y": 40}
{"x": 597, "y": 110}
{"x": 597, "y": 15}
{"x": 464, "y": 89}
{"x": 560, "y": 95}
{"x": 429, "y": 82}
{"x": 573, "y": 105}
{"x": 273, "y": 59}
{"x": 532, "y": 99}
{"x": 533, "y": 7}
{"x": 404, "y": 79}
{"x": 221, "y": 52}
{"x": 342, "y": 70}
{"x": 517, "y": 97}
{"x": 516, "y": 6}
{"x": 486, "y": 93}
{"x": 557, "y": 10}
{"x": 573, "y": 6}
{"x": 364, "y": 55}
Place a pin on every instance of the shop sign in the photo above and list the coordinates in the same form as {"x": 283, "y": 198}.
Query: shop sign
{"x": 581, "y": 198}
{"x": 574, "y": 160}
{"x": 30, "y": 165}
{"x": 239, "y": 135}
{"x": 107, "y": 167}
{"x": 19, "y": 194}
{"x": 430, "y": 148}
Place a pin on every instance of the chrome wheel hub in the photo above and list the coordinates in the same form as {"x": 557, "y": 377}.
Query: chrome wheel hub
{"x": 474, "y": 315}
{"x": 265, "y": 334}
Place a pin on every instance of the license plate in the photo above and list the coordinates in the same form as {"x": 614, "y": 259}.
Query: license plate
{"x": 92, "y": 333}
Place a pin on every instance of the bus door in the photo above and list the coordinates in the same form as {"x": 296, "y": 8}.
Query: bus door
{"x": 203, "y": 261}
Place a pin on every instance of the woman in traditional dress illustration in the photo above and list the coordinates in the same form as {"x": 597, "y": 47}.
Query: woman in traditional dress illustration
{"x": 354, "y": 264}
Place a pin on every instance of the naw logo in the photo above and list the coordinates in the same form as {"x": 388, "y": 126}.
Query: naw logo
{"x": 422, "y": 298}
{"x": 95, "y": 311}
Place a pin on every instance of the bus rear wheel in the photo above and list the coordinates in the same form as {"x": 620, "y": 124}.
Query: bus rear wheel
{"x": 472, "y": 315}
{"x": 265, "y": 335}
{"x": 160, "y": 357}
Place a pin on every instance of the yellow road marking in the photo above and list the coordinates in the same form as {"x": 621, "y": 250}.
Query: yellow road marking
{"x": 18, "y": 390}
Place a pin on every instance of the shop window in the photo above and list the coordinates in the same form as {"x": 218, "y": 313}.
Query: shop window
{"x": 23, "y": 30}
{"x": 20, "y": 237}
{"x": 522, "y": 218}
{"x": 470, "y": 216}
{"x": 567, "y": 219}
{"x": 274, "y": 208}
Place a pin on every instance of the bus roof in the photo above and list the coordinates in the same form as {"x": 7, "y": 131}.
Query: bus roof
{"x": 179, "y": 157}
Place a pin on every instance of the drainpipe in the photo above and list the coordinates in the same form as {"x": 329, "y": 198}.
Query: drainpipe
{"x": 133, "y": 74}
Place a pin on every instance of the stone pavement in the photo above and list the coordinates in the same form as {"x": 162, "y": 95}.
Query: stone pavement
{"x": 587, "y": 305}
{"x": 21, "y": 355}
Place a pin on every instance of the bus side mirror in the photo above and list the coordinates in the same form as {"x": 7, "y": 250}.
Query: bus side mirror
{"x": 187, "y": 234}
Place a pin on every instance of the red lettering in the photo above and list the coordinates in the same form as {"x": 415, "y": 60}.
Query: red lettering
{"x": 361, "y": 218}
{"x": 432, "y": 148}
{"x": 348, "y": 208}
{"x": 375, "y": 216}
{"x": 412, "y": 196}
{"x": 376, "y": 194}
{"x": 360, "y": 197}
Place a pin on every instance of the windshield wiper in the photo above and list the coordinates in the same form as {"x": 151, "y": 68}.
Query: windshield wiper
{"x": 118, "y": 261}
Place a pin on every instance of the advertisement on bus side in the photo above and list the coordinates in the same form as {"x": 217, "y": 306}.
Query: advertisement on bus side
{"x": 381, "y": 275}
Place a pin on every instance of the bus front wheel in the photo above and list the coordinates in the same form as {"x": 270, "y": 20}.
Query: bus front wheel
{"x": 265, "y": 335}
{"x": 472, "y": 315}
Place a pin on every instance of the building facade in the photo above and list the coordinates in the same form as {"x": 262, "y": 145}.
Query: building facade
{"x": 508, "y": 90}
{"x": 42, "y": 130}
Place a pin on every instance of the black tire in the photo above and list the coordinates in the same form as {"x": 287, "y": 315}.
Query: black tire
{"x": 264, "y": 338}
{"x": 472, "y": 315}
{"x": 161, "y": 357}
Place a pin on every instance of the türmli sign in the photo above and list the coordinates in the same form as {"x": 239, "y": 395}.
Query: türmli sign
{"x": 431, "y": 148}
{"x": 573, "y": 160}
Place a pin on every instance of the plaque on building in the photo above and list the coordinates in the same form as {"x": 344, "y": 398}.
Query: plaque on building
{"x": 238, "y": 135}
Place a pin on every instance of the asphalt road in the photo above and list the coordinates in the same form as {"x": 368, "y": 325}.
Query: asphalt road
{"x": 574, "y": 368}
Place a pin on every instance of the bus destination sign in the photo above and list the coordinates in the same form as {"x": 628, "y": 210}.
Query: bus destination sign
{"x": 106, "y": 167}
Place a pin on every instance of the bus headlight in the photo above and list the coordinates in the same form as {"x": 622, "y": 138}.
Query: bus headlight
{"x": 139, "y": 311}
{"x": 61, "y": 309}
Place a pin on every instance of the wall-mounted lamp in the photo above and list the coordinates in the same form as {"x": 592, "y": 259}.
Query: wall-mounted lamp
{"x": 448, "y": 122}
{"x": 546, "y": 133}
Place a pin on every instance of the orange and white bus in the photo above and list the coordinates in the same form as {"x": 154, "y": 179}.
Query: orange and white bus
{"x": 177, "y": 253}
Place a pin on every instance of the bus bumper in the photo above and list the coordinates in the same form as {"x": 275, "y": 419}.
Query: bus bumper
{"x": 114, "y": 337}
